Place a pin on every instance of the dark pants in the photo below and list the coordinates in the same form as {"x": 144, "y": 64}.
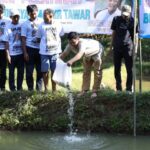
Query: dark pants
{"x": 3, "y": 63}
{"x": 119, "y": 54}
{"x": 16, "y": 62}
{"x": 34, "y": 61}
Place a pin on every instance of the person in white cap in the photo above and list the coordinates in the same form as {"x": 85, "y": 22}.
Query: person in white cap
{"x": 122, "y": 44}
{"x": 14, "y": 51}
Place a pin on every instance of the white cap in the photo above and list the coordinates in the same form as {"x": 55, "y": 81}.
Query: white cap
{"x": 14, "y": 12}
{"x": 126, "y": 10}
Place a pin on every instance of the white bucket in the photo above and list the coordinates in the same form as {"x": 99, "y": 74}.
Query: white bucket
{"x": 62, "y": 74}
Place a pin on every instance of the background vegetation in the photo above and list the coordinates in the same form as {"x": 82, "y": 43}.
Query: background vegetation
{"x": 109, "y": 112}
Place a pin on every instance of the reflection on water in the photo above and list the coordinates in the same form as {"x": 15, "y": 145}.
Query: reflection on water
{"x": 47, "y": 141}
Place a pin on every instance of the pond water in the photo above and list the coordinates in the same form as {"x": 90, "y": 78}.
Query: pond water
{"x": 48, "y": 141}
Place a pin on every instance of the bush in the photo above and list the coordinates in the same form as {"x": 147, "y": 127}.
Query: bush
{"x": 109, "y": 112}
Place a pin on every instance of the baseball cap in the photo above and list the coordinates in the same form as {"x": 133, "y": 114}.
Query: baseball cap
{"x": 126, "y": 10}
{"x": 14, "y": 12}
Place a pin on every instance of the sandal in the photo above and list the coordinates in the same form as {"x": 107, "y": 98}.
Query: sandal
{"x": 81, "y": 94}
{"x": 93, "y": 95}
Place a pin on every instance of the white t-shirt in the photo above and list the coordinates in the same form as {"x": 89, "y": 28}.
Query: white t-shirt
{"x": 105, "y": 18}
{"x": 50, "y": 38}
{"x": 3, "y": 23}
{"x": 13, "y": 37}
{"x": 89, "y": 47}
{"x": 29, "y": 30}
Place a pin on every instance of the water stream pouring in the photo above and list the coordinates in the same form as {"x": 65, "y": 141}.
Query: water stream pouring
{"x": 63, "y": 77}
{"x": 70, "y": 110}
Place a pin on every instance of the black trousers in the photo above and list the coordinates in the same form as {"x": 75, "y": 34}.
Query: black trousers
{"x": 16, "y": 62}
{"x": 3, "y": 63}
{"x": 119, "y": 54}
{"x": 34, "y": 61}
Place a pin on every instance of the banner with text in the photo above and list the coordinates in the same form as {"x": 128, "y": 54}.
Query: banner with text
{"x": 83, "y": 16}
{"x": 144, "y": 18}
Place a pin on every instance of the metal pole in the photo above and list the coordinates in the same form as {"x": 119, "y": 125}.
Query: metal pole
{"x": 140, "y": 80}
{"x": 134, "y": 65}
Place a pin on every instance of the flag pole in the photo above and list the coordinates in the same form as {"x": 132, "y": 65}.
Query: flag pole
{"x": 140, "y": 80}
{"x": 134, "y": 66}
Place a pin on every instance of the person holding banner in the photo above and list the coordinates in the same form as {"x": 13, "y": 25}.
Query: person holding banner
{"x": 106, "y": 16}
{"x": 3, "y": 61}
{"x": 48, "y": 35}
{"x": 31, "y": 48}
{"x": 91, "y": 51}
{"x": 122, "y": 44}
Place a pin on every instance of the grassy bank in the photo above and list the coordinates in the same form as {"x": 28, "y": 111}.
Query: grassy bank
{"x": 108, "y": 79}
{"x": 109, "y": 112}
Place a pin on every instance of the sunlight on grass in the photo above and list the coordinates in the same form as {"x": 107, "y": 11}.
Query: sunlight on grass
{"x": 108, "y": 79}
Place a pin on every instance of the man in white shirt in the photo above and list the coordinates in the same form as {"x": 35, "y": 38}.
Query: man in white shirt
{"x": 31, "y": 48}
{"x": 106, "y": 16}
{"x": 48, "y": 35}
{"x": 3, "y": 61}
{"x": 91, "y": 51}
{"x": 14, "y": 51}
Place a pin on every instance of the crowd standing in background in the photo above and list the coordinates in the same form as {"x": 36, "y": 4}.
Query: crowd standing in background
{"x": 37, "y": 44}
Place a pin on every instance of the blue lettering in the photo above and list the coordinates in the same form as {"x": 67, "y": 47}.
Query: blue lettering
{"x": 87, "y": 14}
{"x": 70, "y": 14}
{"x": 7, "y": 13}
{"x": 146, "y": 18}
{"x": 23, "y": 14}
{"x": 77, "y": 14}
{"x": 40, "y": 15}
{"x": 65, "y": 11}
{"x": 58, "y": 14}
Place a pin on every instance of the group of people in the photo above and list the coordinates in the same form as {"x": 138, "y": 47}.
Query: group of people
{"x": 37, "y": 43}
{"x": 34, "y": 43}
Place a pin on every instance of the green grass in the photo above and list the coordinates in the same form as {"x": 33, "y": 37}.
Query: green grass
{"x": 108, "y": 79}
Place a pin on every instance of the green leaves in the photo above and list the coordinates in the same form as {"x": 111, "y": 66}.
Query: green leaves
{"x": 109, "y": 112}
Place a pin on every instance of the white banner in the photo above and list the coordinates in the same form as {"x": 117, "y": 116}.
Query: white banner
{"x": 144, "y": 18}
{"x": 83, "y": 16}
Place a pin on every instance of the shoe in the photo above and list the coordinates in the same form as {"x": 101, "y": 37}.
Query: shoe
{"x": 102, "y": 86}
{"x": 81, "y": 94}
{"x": 93, "y": 95}
{"x": 129, "y": 92}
